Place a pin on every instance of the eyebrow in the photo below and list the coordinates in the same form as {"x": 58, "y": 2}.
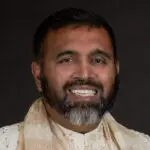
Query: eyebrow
{"x": 101, "y": 52}
{"x": 66, "y": 52}
{"x": 95, "y": 52}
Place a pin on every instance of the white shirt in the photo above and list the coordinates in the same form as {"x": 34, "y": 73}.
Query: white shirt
{"x": 9, "y": 137}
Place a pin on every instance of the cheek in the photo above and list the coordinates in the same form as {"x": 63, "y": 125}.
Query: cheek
{"x": 62, "y": 75}
{"x": 58, "y": 76}
{"x": 107, "y": 78}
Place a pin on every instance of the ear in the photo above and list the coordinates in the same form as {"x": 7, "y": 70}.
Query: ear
{"x": 117, "y": 67}
{"x": 36, "y": 72}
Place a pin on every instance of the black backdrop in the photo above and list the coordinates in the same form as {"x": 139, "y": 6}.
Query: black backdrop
{"x": 131, "y": 23}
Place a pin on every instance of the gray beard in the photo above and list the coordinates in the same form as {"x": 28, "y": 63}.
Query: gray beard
{"x": 83, "y": 116}
{"x": 84, "y": 113}
{"x": 79, "y": 113}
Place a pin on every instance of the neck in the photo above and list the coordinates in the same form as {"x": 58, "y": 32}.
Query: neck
{"x": 58, "y": 118}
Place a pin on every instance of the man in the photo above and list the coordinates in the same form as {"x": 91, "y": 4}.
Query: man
{"x": 76, "y": 71}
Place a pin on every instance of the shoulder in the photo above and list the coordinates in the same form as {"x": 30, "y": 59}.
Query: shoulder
{"x": 135, "y": 139}
{"x": 129, "y": 138}
{"x": 9, "y": 136}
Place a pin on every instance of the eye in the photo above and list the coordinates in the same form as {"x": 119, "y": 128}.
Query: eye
{"x": 99, "y": 61}
{"x": 65, "y": 60}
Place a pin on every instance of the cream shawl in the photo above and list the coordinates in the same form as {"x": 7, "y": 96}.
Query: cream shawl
{"x": 40, "y": 133}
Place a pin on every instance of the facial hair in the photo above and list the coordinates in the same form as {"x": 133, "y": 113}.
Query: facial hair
{"x": 77, "y": 112}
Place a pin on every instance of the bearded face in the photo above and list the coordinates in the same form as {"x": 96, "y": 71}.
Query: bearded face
{"x": 78, "y": 73}
{"x": 81, "y": 107}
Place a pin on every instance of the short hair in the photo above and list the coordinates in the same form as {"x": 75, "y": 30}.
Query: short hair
{"x": 68, "y": 17}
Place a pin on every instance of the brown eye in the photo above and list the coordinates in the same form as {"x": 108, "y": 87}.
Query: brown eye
{"x": 65, "y": 60}
{"x": 98, "y": 61}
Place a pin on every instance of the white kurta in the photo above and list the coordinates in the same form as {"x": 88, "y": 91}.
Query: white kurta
{"x": 40, "y": 132}
{"x": 93, "y": 140}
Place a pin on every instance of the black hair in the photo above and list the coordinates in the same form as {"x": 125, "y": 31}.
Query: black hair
{"x": 68, "y": 17}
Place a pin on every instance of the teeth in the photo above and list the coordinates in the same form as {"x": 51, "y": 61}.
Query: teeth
{"x": 84, "y": 92}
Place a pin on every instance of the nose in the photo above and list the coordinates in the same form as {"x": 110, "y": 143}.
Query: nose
{"x": 84, "y": 70}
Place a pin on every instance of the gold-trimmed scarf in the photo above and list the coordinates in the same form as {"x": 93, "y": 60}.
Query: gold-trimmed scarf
{"x": 38, "y": 133}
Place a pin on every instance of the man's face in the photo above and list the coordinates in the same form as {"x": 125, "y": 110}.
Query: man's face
{"x": 78, "y": 72}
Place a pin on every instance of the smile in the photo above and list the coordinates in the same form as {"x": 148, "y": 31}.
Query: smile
{"x": 85, "y": 92}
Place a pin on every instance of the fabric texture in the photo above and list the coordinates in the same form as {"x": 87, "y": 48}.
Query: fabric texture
{"x": 38, "y": 132}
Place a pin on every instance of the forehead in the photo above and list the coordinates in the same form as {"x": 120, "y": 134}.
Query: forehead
{"x": 81, "y": 39}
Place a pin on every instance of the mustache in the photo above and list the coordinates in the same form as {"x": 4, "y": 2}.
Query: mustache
{"x": 80, "y": 82}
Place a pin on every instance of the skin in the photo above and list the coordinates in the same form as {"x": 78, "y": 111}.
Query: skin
{"x": 71, "y": 53}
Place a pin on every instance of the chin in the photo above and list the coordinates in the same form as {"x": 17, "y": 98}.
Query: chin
{"x": 83, "y": 116}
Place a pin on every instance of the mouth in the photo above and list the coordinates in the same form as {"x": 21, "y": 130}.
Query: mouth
{"x": 83, "y": 91}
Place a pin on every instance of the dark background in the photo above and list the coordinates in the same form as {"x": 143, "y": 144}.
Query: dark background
{"x": 131, "y": 23}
